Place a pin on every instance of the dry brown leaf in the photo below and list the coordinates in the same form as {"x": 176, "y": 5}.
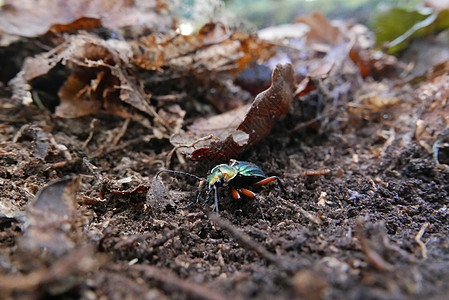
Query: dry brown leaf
{"x": 322, "y": 35}
{"x": 213, "y": 48}
{"x": 49, "y": 214}
{"x": 100, "y": 78}
{"x": 81, "y": 23}
{"x": 34, "y": 18}
{"x": 77, "y": 99}
{"x": 230, "y": 135}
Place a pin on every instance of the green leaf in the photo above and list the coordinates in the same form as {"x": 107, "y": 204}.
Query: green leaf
{"x": 397, "y": 27}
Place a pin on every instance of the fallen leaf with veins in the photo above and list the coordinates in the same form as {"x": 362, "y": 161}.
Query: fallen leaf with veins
{"x": 237, "y": 130}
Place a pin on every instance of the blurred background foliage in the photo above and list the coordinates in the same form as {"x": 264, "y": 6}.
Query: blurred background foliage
{"x": 265, "y": 13}
{"x": 395, "y": 23}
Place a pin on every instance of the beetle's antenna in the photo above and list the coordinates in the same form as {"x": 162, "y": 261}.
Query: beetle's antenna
{"x": 185, "y": 206}
{"x": 180, "y": 172}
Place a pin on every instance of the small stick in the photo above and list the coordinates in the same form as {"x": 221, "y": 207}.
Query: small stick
{"x": 123, "y": 145}
{"x": 310, "y": 122}
{"x": 19, "y": 133}
{"x": 121, "y": 133}
{"x": 130, "y": 241}
{"x": 418, "y": 237}
{"x": 91, "y": 133}
{"x": 169, "y": 279}
{"x": 316, "y": 172}
{"x": 170, "y": 155}
{"x": 92, "y": 168}
{"x": 62, "y": 148}
{"x": 308, "y": 215}
{"x": 245, "y": 240}
{"x": 55, "y": 165}
{"x": 371, "y": 256}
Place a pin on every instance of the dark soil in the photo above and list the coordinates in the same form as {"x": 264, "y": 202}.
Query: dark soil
{"x": 363, "y": 216}
{"x": 349, "y": 232}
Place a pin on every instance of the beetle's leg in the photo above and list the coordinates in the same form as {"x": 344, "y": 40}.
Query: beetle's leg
{"x": 216, "y": 198}
{"x": 235, "y": 194}
{"x": 198, "y": 195}
{"x": 207, "y": 198}
{"x": 248, "y": 193}
{"x": 266, "y": 180}
{"x": 270, "y": 179}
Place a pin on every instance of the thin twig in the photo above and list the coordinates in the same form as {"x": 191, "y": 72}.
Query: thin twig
{"x": 245, "y": 240}
{"x": 169, "y": 279}
{"x": 316, "y": 172}
{"x": 91, "y": 133}
{"x": 123, "y": 145}
{"x": 121, "y": 133}
{"x": 170, "y": 155}
{"x": 418, "y": 237}
{"x": 305, "y": 213}
{"x": 92, "y": 168}
{"x": 19, "y": 133}
{"x": 371, "y": 256}
{"x": 170, "y": 97}
{"x": 61, "y": 147}
{"x": 309, "y": 122}
{"x": 131, "y": 240}
{"x": 141, "y": 237}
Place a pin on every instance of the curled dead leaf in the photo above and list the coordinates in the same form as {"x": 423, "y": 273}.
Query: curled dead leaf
{"x": 81, "y": 23}
{"x": 233, "y": 132}
{"x": 49, "y": 218}
{"x": 213, "y": 48}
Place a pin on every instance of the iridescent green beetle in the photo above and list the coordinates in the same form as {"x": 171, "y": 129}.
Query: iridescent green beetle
{"x": 237, "y": 175}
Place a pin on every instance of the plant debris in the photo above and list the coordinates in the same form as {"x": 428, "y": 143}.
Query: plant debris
{"x": 228, "y": 142}
{"x": 96, "y": 97}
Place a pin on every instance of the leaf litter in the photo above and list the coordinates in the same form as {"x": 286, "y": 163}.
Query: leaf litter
{"x": 106, "y": 94}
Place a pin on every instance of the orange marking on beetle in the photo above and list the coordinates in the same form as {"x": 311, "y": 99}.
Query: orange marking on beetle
{"x": 235, "y": 194}
{"x": 247, "y": 193}
{"x": 266, "y": 180}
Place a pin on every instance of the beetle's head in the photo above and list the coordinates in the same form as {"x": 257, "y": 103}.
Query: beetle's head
{"x": 221, "y": 174}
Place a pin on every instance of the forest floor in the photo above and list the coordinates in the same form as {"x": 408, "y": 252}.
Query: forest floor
{"x": 363, "y": 213}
